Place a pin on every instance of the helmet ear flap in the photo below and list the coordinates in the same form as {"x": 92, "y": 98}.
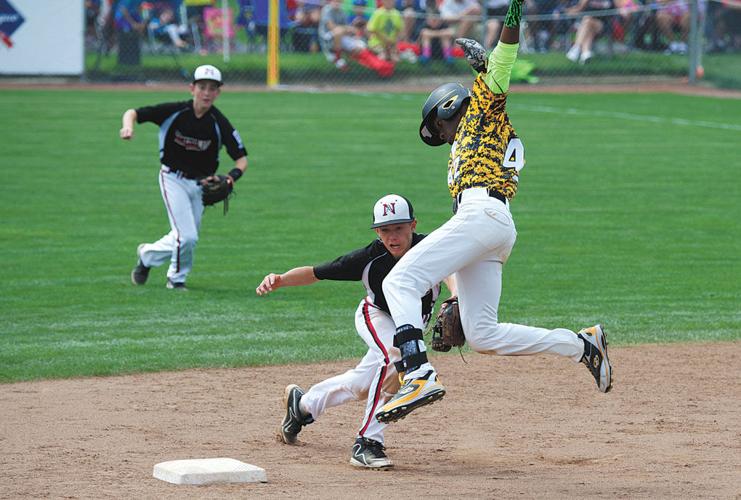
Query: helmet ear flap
{"x": 429, "y": 132}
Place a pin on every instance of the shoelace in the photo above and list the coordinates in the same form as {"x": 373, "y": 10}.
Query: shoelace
{"x": 376, "y": 447}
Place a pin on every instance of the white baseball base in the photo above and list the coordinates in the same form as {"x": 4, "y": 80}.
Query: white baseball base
{"x": 209, "y": 471}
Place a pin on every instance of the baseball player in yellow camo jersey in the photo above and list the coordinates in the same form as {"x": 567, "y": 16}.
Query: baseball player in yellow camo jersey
{"x": 486, "y": 158}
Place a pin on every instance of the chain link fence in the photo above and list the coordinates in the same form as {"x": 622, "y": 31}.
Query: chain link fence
{"x": 406, "y": 42}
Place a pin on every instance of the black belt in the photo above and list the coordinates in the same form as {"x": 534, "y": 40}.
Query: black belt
{"x": 494, "y": 194}
{"x": 181, "y": 173}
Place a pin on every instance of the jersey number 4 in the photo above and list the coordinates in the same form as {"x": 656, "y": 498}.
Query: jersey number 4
{"x": 514, "y": 157}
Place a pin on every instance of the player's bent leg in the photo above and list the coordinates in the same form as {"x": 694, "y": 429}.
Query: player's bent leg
{"x": 294, "y": 418}
{"x": 351, "y": 385}
{"x": 479, "y": 289}
{"x": 377, "y": 329}
{"x": 595, "y": 356}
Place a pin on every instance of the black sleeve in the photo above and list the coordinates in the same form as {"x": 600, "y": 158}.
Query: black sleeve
{"x": 159, "y": 112}
{"x": 349, "y": 267}
{"x": 230, "y": 137}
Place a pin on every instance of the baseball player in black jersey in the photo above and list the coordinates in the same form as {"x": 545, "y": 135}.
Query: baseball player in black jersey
{"x": 190, "y": 137}
{"x": 376, "y": 374}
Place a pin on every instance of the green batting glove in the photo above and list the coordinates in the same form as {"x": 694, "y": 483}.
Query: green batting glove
{"x": 514, "y": 14}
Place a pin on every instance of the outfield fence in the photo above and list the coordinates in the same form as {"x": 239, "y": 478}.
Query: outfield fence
{"x": 282, "y": 42}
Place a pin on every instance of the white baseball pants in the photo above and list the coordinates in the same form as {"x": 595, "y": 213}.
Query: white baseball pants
{"x": 474, "y": 244}
{"x": 184, "y": 206}
{"x": 374, "y": 378}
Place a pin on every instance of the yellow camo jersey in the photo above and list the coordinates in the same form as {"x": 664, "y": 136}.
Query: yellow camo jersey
{"x": 477, "y": 158}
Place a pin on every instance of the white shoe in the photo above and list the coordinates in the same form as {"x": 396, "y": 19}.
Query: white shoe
{"x": 585, "y": 56}
{"x": 573, "y": 54}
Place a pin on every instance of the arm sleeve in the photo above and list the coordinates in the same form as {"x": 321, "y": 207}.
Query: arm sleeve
{"x": 160, "y": 112}
{"x": 501, "y": 61}
{"x": 232, "y": 139}
{"x": 348, "y": 267}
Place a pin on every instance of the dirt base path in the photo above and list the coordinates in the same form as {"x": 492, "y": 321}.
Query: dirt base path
{"x": 532, "y": 427}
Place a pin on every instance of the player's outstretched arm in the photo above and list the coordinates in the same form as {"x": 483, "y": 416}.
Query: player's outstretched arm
{"x": 298, "y": 276}
{"x": 502, "y": 58}
{"x": 127, "y": 124}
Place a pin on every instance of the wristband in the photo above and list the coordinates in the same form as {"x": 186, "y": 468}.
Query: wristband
{"x": 514, "y": 13}
{"x": 235, "y": 174}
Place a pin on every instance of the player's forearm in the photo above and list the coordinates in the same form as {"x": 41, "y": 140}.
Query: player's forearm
{"x": 240, "y": 166}
{"x": 298, "y": 276}
{"x": 127, "y": 124}
{"x": 129, "y": 118}
{"x": 511, "y": 30}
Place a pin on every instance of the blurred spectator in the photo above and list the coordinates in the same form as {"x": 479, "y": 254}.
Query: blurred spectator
{"x": 92, "y": 11}
{"x": 163, "y": 26}
{"x": 218, "y": 26}
{"x": 673, "y": 20}
{"x": 724, "y": 22}
{"x": 339, "y": 38}
{"x": 646, "y": 32}
{"x": 435, "y": 32}
{"x": 542, "y": 33}
{"x": 129, "y": 28}
{"x": 588, "y": 29}
{"x": 461, "y": 15}
{"x": 336, "y": 35}
{"x": 626, "y": 21}
{"x": 194, "y": 11}
{"x": 413, "y": 14}
{"x": 306, "y": 29}
{"x": 384, "y": 27}
{"x": 359, "y": 18}
{"x": 494, "y": 9}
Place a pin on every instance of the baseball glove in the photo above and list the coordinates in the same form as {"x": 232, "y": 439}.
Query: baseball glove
{"x": 216, "y": 188}
{"x": 447, "y": 332}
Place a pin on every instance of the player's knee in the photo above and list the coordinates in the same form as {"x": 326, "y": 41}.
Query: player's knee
{"x": 390, "y": 286}
{"x": 188, "y": 240}
{"x": 480, "y": 332}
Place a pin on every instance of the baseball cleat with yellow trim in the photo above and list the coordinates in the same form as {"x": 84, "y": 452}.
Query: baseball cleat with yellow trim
{"x": 414, "y": 393}
{"x": 595, "y": 356}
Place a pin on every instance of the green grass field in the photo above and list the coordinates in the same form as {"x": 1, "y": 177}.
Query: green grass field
{"x": 628, "y": 214}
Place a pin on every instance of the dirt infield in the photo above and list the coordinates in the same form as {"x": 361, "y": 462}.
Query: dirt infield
{"x": 531, "y": 427}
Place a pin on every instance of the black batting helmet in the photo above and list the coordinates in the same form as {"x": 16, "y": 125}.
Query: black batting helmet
{"x": 444, "y": 102}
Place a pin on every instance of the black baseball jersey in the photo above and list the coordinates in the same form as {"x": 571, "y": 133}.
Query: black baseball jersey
{"x": 191, "y": 144}
{"x": 371, "y": 265}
